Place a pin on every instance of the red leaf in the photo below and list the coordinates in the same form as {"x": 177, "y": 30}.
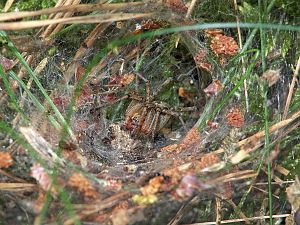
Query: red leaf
{"x": 213, "y": 88}
{"x": 6, "y": 63}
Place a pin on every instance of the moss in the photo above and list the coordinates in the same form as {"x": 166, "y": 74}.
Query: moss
{"x": 290, "y": 152}
{"x": 214, "y": 10}
{"x": 290, "y": 8}
{"x": 33, "y": 4}
{"x": 249, "y": 12}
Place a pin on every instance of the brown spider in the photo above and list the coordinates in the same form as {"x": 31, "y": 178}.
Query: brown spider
{"x": 144, "y": 116}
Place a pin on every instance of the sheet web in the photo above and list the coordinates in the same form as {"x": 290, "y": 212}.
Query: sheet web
{"x": 153, "y": 116}
{"x": 99, "y": 118}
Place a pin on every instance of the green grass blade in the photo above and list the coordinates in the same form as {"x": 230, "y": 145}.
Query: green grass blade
{"x": 36, "y": 80}
{"x": 254, "y": 31}
{"x": 11, "y": 94}
{"x": 34, "y": 99}
{"x": 262, "y": 15}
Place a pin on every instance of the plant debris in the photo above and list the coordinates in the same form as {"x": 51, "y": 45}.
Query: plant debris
{"x": 149, "y": 113}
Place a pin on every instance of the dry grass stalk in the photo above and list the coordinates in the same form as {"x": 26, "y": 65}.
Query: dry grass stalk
{"x": 287, "y": 104}
{"x": 12, "y": 177}
{"x": 191, "y": 8}
{"x": 47, "y": 31}
{"x": 247, "y": 145}
{"x": 8, "y": 4}
{"x": 291, "y": 90}
{"x": 58, "y": 27}
{"x": 242, "y": 220}
{"x": 82, "y": 51}
{"x": 241, "y": 214}
{"x": 89, "y": 209}
{"x": 29, "y": 58}
{"x": 264, "y": 192}
{"x": 240, "y": 175}
{"x": 17, "y": 186}
{"x": 58, "y": 4}
{"x": 73, "y": 20}
{"x": 68, "y": 8}
{"x": 184, "y": 209}
{"x": 41, "y": 146}
{"x": 218, "y": 210}
{"x": 282, "y": 170}
{"x": 97, "y": 68}
{"x": 274, "y": 177}
{"x": 43, "y": 33}
{"x": 253, "y": 142}
{"x": 272, "y": 129}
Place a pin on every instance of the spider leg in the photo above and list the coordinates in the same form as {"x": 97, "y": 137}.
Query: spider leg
{"x": 113, "y": 102}
{"x": 108, "y": 92}
{"x": 183, "y": 123}
{"x": 157, "y": 115}
{"x": 137, "y": 67}
{"x": 165, "y": 83}
{"x": 142, "y": 119}
{"x": 147, "y": 83}
{"x": 176, "y": 114}
{"x": 186, "y": 109}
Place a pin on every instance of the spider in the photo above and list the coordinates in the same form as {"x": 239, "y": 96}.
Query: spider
{"x": 144, "y": 116}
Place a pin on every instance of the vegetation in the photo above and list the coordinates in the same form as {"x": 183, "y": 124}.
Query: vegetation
{"x": 171, "y": 112}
